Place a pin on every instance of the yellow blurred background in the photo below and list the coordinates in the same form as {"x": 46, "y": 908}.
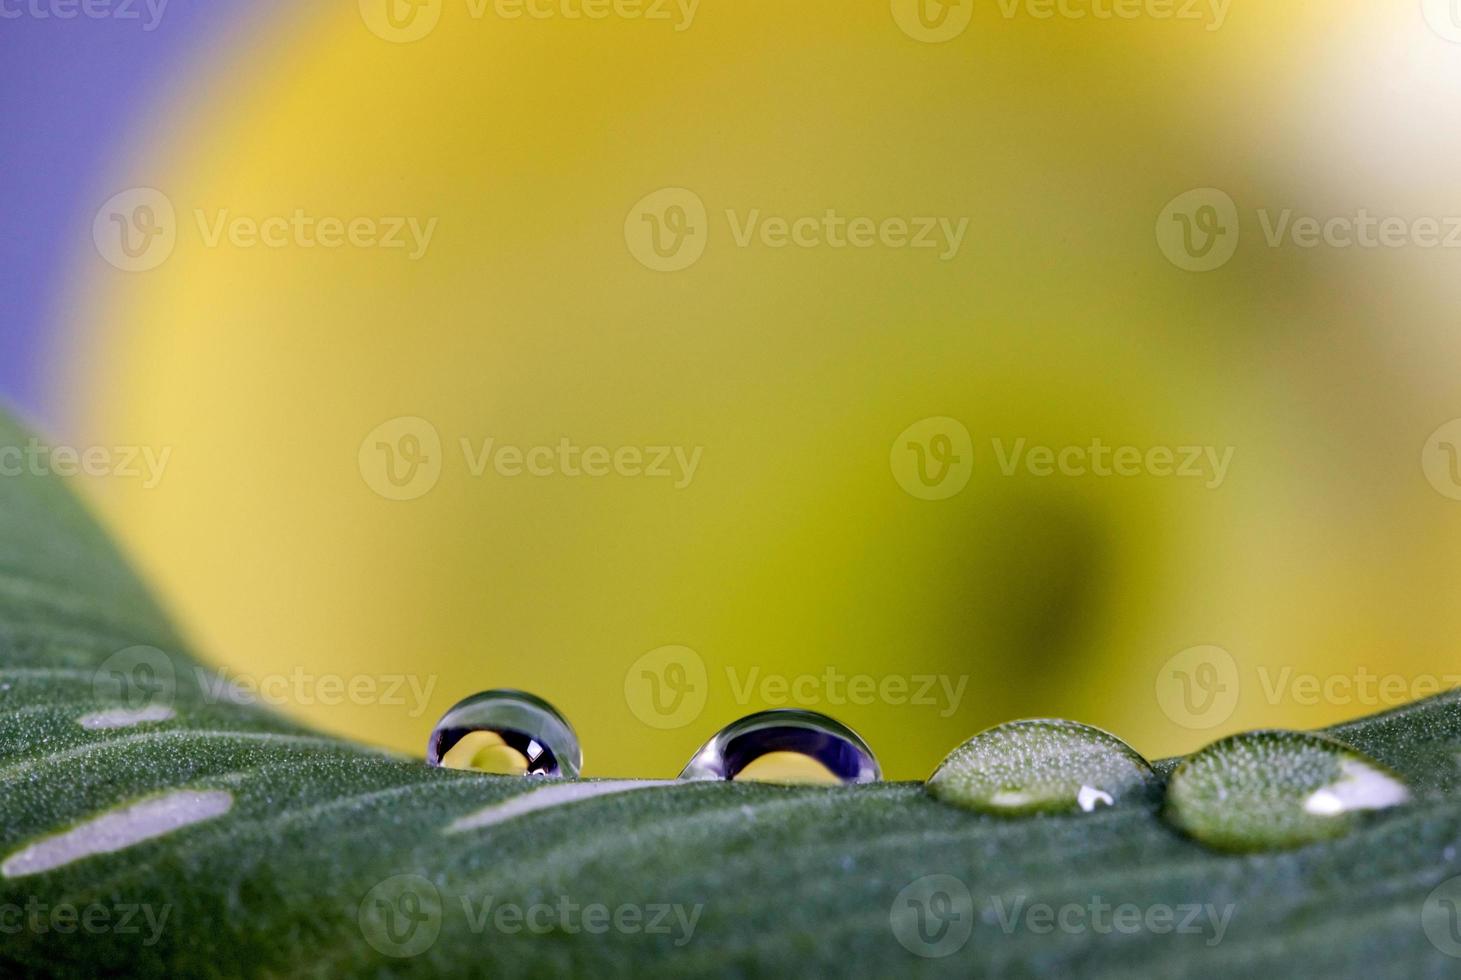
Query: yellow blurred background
{"x": 288, "y": 381}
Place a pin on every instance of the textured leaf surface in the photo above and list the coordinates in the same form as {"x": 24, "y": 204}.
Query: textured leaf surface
{"x": 312, "y": 856}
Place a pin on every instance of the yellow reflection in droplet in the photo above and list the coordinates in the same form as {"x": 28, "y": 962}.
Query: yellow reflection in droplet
{"x": 787, "y": 767}
{"x": 486, "y": 752}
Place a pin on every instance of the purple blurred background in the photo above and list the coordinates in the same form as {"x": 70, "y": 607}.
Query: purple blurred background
{"x": 74, "y": 95}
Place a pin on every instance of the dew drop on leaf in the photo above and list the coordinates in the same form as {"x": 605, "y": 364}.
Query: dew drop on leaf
{"x": 1042, "y": 766}
{"x": 506, "y": 732}
{"x": 785, "y": 746}
{"x": 1274, "y": 789}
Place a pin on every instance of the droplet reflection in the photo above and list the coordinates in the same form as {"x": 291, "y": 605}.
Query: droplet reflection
{"x": 507, "y": 732}
{"x": 785, "y": 746}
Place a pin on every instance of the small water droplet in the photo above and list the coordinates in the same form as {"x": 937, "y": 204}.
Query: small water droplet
{"x": 507, "y": 732}
{"x": 1042, "y": 766}
{"x": 785, "y": 746}
{"x": 1275, "y": 789}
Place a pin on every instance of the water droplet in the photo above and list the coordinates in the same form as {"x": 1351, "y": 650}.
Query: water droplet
{"x": 1042, "y": 766}
{"x": 507, "y": 732}
{"x": 1273, "y": 789}
{"x": 785, "y": 746}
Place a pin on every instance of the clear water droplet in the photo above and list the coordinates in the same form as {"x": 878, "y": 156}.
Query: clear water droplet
{"x": 1275, "y": 789}
{"x": 1043, "y": 766}
{"x": 507, "y": 732}
{"x": 785, "y": 746}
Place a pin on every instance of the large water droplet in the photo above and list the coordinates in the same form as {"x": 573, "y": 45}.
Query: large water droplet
{"x": 785, "y": 746}
{"x": 507, "y": 732}
{"x": 1042, "y": 766}
{"x": 1273, "y": 789}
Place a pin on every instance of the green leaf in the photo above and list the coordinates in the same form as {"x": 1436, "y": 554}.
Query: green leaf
{"x": 281, "y": 852}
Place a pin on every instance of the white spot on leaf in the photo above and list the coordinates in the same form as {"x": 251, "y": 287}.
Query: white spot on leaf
{"x": 548, "y": 796}
{"x": 125, "y": 718}
{"x": 118, "y": 829}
